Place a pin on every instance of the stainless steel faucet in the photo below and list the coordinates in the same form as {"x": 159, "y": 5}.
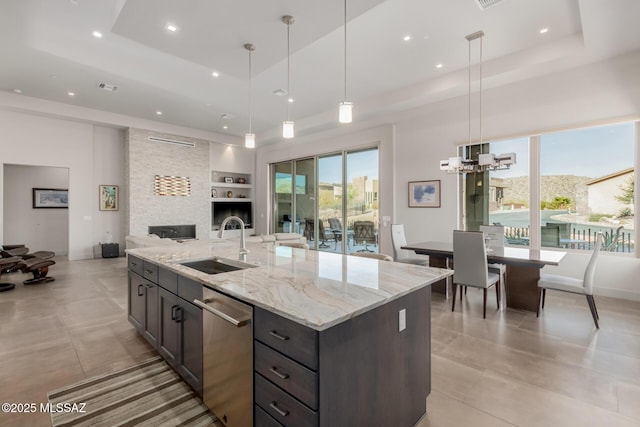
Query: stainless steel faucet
{"x": 243, "y": 249}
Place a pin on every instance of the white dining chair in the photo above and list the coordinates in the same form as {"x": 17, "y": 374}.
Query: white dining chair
{"x": 572, "y": 285}
{"x": 402, "y": 255}
{"x": 470, "y": 266}
{"x": 494, "y": 235}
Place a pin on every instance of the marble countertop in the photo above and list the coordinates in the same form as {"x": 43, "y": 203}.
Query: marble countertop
{"x": 316, "y": 289}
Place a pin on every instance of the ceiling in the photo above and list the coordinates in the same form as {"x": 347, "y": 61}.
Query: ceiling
{"x": 48, "y": 51}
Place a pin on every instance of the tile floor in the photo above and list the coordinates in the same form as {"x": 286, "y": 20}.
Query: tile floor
{"x": 509, "y": 369}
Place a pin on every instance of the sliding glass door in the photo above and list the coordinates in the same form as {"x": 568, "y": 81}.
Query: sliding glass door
{"x": 361, "y": 201}
{"x": 295, "y": 178}
{"x": 330, "y": 210}
{"x": 336, "y": 209}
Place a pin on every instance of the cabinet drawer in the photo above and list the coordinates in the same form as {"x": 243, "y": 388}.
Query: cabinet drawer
{"x": 135, "y": 264}
{"x": 168, "y": 280}
{"x": 291, "y": 376}
{"x": 282, "y": 407}
{"x": 150, "y": 271}
{"x": 288, "y": 337}
{"x": 189, "y": 289}
{"x": 262, "y": 419}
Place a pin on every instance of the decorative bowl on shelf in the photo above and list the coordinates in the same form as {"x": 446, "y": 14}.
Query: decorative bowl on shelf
{"x": 230, "y": 194}
{"x": 241, "y": 180}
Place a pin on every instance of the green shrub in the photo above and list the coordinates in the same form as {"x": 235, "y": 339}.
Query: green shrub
{"x": 625, "y": 213}
{"x": 595, "y": 217}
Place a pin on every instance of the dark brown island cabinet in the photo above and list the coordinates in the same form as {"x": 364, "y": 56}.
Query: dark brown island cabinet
{"x": 370, "y": 370}
{"x": 160, "y": 309}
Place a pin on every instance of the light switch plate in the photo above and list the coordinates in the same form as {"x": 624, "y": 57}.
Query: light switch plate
{"x": 402, "y": 320}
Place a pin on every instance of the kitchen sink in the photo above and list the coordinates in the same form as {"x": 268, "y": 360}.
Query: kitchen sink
{"x": 217, "y": 265}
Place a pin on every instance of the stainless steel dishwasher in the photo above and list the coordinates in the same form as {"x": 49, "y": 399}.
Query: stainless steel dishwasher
{"x": 227, "y": 340}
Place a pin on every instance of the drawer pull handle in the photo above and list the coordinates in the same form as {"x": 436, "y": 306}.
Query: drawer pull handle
{"x": 133, "y": 264}
{"x": 277, "y": 335}
{"x": 278, "y": 374}
{"x": 149, "y": 271}
{"x": 282, "y": 412}
{"x": 140, "y": 290}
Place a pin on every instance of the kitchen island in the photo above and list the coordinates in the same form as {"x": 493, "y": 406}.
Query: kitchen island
{"x": 337, "y": 340}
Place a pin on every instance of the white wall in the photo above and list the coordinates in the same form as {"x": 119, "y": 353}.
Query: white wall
{"x": 38, "y": 229}
{"x": 587, "y": 95}
{"x": 381, "y": 136}
{"x": 108, "y": 160}
{"x": 28, "y": 139}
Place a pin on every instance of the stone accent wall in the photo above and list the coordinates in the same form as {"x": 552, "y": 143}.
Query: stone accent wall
{"x": 144, "y": 160}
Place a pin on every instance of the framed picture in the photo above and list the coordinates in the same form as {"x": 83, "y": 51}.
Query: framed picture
{"x": 108, "y": 197}
{"x": 424, "y": 194}
{"x": 228, "y": 180}
{"x": 50, "y": 198}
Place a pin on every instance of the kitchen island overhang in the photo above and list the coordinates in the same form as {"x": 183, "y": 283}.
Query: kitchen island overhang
{"x": 315, "y": 289}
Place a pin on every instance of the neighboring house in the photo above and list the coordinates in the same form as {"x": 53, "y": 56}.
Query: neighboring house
{"x": 602, "y": 192}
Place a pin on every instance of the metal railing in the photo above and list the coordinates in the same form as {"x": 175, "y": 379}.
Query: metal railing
{"x": 580, "y": 237}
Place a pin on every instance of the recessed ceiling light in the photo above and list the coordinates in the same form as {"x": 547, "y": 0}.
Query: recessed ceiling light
{"x": 17, "y": 90}
{"x": 97, "y": 34}
{"x": 71, "y": 94}
{"x": 544, "y": 30}
{"x": 439, "y": 65}
{"x": 290, "y": 99}
{"x": 172, "y": 28}
{"x": 215, "y": 74}
{"x": 225, "y": 127}
{"x": 227, "y": 116}
{"x": 158, "y": 113}
{"x": 406, "y": 38}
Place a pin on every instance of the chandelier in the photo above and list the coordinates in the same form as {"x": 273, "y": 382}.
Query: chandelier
{"x": 488, "y": 161}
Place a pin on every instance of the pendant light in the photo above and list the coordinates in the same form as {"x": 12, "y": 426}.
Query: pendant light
{"x": 485, "y": 161}
{"x": 345, "y": 109}
{"x": 288, "y": 125}
{"x": 250, "y": 138}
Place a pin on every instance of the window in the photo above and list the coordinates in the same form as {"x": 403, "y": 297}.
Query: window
{"x": 586, "y": 187}
{"x": 500, "y": 197}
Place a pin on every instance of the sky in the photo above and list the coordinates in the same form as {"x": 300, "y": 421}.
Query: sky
{"x": 360, "y": 163}
{"x": 593, "y": 152}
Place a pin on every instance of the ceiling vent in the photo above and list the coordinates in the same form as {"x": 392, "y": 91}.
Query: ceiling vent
{"x": 486, "y": 4}
{"x": 172, "y": 141}
{"x": 107, "y": 87}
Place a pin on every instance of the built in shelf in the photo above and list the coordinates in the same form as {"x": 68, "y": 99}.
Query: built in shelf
{"x": 230, "y": 199}
{"x": 230, "y": 185}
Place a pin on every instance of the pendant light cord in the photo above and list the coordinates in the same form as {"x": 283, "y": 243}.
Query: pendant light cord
{"x": 345, "y": 50}
{"x": 250, "y": 92}
{"x": 469, "y": 43}
{"x": 288, "y": 70}
{"x": 481, "y": 91}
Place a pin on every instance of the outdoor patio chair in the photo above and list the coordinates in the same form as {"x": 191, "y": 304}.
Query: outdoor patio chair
{"x": 364, "y": 233}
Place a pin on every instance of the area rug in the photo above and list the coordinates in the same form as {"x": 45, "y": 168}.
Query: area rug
{"x": 148, "y": 394}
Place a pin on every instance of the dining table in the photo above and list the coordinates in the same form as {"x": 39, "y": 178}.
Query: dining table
{"x": 523, "y": 268}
